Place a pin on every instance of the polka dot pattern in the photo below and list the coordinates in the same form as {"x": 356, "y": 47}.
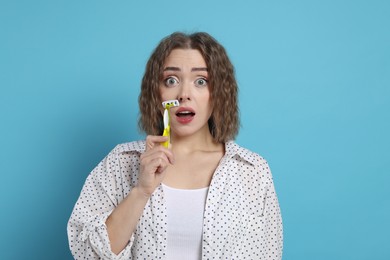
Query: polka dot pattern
{"x": 242, "y": 218}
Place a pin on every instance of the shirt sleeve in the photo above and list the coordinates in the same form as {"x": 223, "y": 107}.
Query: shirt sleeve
{"x": 87, "y": 232}
{"x": 273, "y": 221}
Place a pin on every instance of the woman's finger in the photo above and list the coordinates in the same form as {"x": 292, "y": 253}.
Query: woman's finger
{"x": 153, "y": 146}
{"x": 153, "y": 140}
{"x": 156, "y": 158}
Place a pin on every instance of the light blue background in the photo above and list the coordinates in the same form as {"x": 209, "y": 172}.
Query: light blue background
{"x": 314, "y": 81}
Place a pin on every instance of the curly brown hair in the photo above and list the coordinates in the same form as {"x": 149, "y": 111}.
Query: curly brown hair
{"x": 224, "y": 121}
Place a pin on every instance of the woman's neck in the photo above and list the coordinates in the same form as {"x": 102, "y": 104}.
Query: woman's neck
{"x": 192, "y": 143}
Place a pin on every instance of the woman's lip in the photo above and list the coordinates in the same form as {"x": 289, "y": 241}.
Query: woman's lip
{"x": 181, "y": 109}
{"x": 184, "y": 119}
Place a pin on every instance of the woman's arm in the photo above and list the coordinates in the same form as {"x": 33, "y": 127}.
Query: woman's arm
{"x": 123, "y": 220}
{"x": 101, "y": 225}
{"x": 87, "y": 233}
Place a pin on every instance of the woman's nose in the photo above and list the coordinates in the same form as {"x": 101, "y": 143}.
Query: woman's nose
{"x": 183, "y": 98}
{"x": 184, "y": 93}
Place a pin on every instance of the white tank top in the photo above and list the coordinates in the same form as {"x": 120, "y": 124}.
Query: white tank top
{"x": 185, "y": 210}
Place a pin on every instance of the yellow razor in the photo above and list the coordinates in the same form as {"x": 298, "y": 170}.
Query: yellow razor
{"x": 167, "y": 126}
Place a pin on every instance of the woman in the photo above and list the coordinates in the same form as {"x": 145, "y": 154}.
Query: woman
{"x": 203, "y": 198}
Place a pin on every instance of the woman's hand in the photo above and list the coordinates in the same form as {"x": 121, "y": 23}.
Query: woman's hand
{"x": 154, "y": 162}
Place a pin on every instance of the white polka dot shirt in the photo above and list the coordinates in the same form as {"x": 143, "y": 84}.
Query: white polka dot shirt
{"x": 242, "y": 217}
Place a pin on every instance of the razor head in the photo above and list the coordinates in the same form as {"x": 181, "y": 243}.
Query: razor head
{"x": 171, "y": 103}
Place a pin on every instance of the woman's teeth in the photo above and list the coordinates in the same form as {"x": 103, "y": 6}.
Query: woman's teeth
{"x": 185, "y": 113}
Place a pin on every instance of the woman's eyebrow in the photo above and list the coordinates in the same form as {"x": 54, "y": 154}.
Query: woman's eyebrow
{"x": 199, "y": 69}
{"x": 172, "y": 68}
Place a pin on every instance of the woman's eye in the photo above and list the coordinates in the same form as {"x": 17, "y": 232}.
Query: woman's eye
{"x": 171, "y": 81}
{"x": 201, "y": 82}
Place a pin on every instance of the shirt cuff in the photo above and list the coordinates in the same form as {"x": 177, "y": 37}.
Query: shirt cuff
{"x": 95, "y": 230}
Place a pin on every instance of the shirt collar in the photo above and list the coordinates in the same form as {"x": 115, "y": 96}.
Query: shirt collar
{"x": 231, "y": 150}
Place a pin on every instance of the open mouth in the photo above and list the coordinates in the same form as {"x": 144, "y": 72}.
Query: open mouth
{"x": 184, "y": 114}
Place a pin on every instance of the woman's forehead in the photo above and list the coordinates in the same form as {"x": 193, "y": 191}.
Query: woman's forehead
{"x": 181, "y": 58}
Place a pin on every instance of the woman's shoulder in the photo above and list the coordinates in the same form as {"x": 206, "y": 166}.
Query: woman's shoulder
{"x": 134, "y": 146}
{"x": 233, "y": 150}
{"x": 132, "y": 149}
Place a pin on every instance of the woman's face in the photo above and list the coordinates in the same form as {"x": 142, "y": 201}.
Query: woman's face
{"x": 185, "y": 78}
